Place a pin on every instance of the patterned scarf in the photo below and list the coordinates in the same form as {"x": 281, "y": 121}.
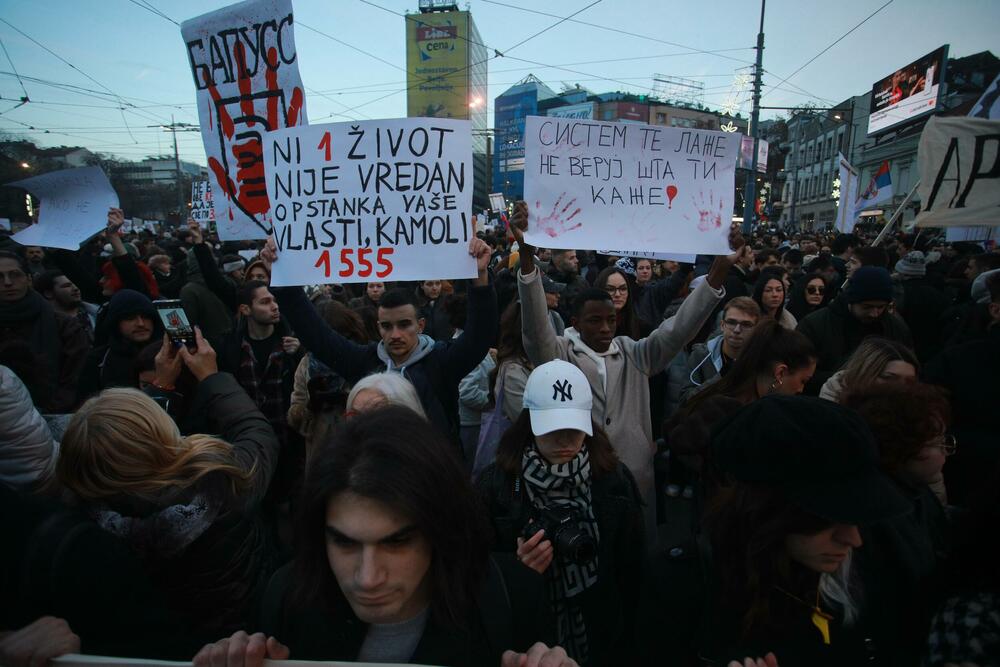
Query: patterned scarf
{"x": 565, "y": 485}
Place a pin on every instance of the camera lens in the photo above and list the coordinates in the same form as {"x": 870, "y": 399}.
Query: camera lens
{"x": 576, "y": 545}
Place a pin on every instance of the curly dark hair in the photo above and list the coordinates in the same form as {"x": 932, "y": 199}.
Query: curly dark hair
{"x": 903, "y": 417}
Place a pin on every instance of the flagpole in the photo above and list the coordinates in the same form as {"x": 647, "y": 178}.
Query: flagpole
{"x": 895, "y": 215}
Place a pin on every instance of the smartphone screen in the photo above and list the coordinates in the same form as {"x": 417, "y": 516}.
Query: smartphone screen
{"x": 175, "y": 321}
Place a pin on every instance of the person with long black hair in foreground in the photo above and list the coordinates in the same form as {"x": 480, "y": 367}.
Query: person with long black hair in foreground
{"x": 392, "y": 564}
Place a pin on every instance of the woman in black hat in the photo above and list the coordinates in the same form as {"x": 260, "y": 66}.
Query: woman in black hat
{"x": 771, "y": 572}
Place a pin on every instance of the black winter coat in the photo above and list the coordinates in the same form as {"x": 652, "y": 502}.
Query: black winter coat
{"x": 609, "y": 605}
{"x": 922, "y": 308}
{"x": 504, "y": 619}
{"x": 836, "y": 334}
{"x": 206, "y": 547}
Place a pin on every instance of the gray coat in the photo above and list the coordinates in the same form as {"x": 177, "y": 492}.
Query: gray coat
{"x": 622, "y": 409}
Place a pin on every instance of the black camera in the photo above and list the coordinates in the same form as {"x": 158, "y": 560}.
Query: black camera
{"x": 564, "y": 529}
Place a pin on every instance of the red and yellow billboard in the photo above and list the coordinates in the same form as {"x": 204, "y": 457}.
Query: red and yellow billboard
{"x": 437, "y": 65}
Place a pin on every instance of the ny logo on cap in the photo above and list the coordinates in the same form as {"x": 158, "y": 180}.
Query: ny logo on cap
{"x": 563, "y": 389}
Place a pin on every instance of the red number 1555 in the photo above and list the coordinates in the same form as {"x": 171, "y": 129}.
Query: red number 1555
{"x": 364, "y": 266}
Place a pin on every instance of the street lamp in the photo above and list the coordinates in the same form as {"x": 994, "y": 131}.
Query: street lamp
{"x": 25, "y": 165}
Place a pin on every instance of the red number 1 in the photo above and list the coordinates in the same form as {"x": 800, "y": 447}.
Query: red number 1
{"x": 324, "y": 259}
{"x": 324, "y": 143}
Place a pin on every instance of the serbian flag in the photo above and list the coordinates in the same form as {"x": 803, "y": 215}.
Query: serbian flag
{"x": 879, "y": 190}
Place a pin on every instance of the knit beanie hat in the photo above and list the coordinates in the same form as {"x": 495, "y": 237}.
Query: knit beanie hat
{"x": 627, "y": 265}
{"x": 869, "y": 283}
{"x": 914, "y": 264}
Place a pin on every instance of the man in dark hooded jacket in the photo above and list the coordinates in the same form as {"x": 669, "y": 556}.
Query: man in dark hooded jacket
{"x": 434, "y": 368}
{"x": 130, "y": 323}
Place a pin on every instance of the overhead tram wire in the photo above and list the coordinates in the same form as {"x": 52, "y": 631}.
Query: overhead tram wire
{"x": 619, "y": 31}
{"x": 834, "y": 43}
{"x": 544, "y": 30}
{"x": 71, "y": 65}
{"x": 153, "y": 10}
{"x": 11, "y": 61}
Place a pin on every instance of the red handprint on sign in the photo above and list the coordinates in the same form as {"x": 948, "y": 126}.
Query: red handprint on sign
{"x": 241, "y": 136}
{"x": 708, "y": 217}
{"x": 557, "y": 222}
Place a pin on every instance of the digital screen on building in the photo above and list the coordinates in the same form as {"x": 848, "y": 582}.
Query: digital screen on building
{"x": 908, "y": 93}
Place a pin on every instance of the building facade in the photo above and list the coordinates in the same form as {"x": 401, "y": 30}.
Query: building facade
{"x": 509, "y": 112}
{"x": 446, "y": 76}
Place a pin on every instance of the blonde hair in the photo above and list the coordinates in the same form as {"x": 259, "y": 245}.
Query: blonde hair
{"x": 121, "y": 442}
{"x": 869, "y": 361}
{"x": 396, "y": 389}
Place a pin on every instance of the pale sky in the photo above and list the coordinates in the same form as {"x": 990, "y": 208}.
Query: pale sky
{"x": 122, "y": 47}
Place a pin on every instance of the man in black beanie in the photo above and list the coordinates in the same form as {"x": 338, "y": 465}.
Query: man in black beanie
{"x": 861, "y": 310}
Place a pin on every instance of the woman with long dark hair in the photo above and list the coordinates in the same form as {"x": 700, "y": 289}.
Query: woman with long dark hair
{"x": 392, "y": 561}
{"x": 808, "y": 294}
{"x": 618, "y": 285}
{"x": 559, "y": 498}
{"x": 769, "y": 293}
{"x": 772, "y": 572}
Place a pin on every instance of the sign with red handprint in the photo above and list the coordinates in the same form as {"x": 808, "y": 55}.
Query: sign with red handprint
{"x": 640, "y": 188}
{"x": 245, "y": 69}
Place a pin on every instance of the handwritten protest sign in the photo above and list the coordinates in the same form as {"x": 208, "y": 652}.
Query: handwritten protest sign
{"x": 79, "y": 660}
{"x": 594, "y": 185}
{"x": 975, "y": 234}
{"x": 245, "y": 69}
{"x": 5, "y": 223}
{"x": 959, "y": 162}
{"x": 375, "y": 200}
{"x": 658, "y": 256}
{"x": 74, "y": 206}
{"x": 202, "y": 208}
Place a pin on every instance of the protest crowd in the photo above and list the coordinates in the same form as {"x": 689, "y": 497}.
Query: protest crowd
{"x": 788, "y": 454}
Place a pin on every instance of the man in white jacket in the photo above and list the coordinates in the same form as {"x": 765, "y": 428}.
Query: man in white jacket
{"x": 618, "y": 368}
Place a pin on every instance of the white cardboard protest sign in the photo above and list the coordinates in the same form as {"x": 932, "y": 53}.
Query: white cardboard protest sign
{"x": 245, "y": 69}
{"x": 373, "y": 200}
{"x": 593, "y": 185}
{"x": 959, "y": 162}
{"x": 202, "y": 207}
{"x": 74, "y": 206}
{"x": 5, "y": 223}
{"x": 846, "y": 213}
{"x": 658, "y": 256}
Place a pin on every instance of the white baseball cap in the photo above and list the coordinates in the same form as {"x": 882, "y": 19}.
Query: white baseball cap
{"x": 558, "y": 396}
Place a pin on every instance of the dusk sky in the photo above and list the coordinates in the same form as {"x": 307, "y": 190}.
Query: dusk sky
{"x": 120, "y": 49}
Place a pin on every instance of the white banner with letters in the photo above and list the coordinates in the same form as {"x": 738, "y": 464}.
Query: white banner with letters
{"x": 959, "y": 162}
{"x": 373, "y": 200}
{"x": 73, "y": 207}
{"x": 591, "y": 185}
{"x": 245, "y": 69}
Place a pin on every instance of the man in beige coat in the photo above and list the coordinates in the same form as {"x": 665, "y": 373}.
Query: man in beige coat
{"x": 618, "y": 368}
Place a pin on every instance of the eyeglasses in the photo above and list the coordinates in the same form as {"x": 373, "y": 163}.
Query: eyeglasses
{"x": 737, "y": 324}
{"x": 947, "y": 443}
{"x": 815, "y": 290}
{"x": 621, "y": 289}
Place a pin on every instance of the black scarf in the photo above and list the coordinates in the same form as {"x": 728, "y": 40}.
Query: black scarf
{"x": 565, "y": 485}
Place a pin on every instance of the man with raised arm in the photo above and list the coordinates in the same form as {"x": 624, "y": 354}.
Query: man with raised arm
{"x": 618, "y": 368}
{"x": 434, "y": 368}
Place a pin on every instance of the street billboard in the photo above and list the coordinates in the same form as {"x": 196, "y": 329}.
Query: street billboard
{"x": 908, "y": 93}
{"x": 583, "y": 111}
{"x": 437, "y": 65}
